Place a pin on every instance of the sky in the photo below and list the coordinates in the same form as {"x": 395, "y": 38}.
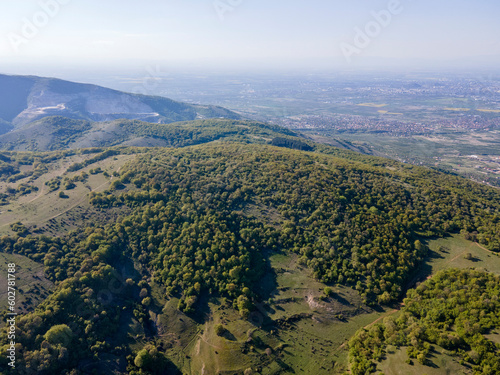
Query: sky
{"x": 247, "y": 34}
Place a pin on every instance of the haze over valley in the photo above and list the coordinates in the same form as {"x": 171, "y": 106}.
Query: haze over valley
{"x": 236, "y": 188}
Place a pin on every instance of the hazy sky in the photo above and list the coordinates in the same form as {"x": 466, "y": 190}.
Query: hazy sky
{"x": 247, "y": 33}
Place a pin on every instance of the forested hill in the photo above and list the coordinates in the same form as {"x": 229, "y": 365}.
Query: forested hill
{"x": 60, "y": 133}
{"x": 202, "y": 222}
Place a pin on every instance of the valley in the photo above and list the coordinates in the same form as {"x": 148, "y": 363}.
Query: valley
{"x": 292, "y": 306}
{"x": 232, "y": 246}
{"x": 233, "y": 187}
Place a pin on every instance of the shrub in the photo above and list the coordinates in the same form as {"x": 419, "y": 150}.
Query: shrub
{"x": 219, "y": 329}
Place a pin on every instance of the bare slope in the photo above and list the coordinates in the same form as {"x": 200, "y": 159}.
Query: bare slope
{"x": 24, "y": 99}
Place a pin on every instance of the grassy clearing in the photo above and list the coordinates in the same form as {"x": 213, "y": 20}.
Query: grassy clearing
{"x": 297, "y": 333}
{"x": 47, "y": 211}
{"x": 439, "y": 364}
{"x": 451, "y": 252}
{"x": 32, "y": 287}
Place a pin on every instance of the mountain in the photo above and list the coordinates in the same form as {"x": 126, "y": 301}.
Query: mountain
{"x": 25, "y": 99}
{"x": 237, "y": 257}
{"x": 228, "y": 246}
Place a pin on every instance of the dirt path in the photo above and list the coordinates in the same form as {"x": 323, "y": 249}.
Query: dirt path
{"x": 458, "y": 256}
{"x": 76, "y": 204}
{"x": 198, "y": 345}
{"x": 389, "y": 313}
{"x": 482, "y": 247}
{"x": 42, "y": 192}
{"x": 464, "y": 252}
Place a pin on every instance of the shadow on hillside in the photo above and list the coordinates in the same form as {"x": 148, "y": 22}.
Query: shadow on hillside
{"x": 428, "y": 359}
{"x": 229, "y": 336}
{"x": 425, "y": 269}
{"x": 341, "y": 299}
{"x": 266, "y": 286}
{"x": 202, "y": 311}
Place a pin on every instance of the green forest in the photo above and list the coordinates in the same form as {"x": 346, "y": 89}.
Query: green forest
{"x": 191, "y": 221}
{"x": 454, "y": 310}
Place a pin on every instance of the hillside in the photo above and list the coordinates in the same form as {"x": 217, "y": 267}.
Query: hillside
{"x": 60, "y": 133}
{"x": 25, "y": 99}
{"x": 222, "y": 257}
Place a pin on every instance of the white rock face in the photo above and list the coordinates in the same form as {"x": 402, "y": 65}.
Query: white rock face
{"x": 99, "y": 104}
{"x": 26, "y": 99}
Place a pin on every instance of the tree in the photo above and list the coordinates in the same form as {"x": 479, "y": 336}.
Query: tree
{"x": 151, "y": 360}
{"x": 219, "y": 330}
{"x": 59, "y": 335}
{"x": 244, "y": 305}
{"x": 384, "y": 298}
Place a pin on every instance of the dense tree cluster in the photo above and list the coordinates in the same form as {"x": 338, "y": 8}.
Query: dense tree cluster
{"x": 194, "y": 222}
{"x": 454, "y": 310}
{"x": 350, "y": 223}
{"x": 292, "y": 143}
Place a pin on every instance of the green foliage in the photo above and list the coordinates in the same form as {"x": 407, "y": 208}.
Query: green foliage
{"x": 19, "y": 228}
{"x": 219, "y": 330}
{"x": 152, "y": 361}
{"x": 54, "y": 184}
{"x": 59, "y": 334}
{"x": 291, "y": 143}
{"x": 244, "y": 305}
{"x": 364, "y": 218}
{"x": 191, "y": 219}
{"x": 454, "y": 310}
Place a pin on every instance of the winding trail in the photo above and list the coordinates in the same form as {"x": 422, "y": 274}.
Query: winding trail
{"x": 482, "y": 247}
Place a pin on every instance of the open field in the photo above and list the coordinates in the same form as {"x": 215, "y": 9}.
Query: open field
{"x": 43, "y": 210}
{"x": 450, "y": 253}
{"x": 32, "y": 286}
{"x": 439, "y": 364}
